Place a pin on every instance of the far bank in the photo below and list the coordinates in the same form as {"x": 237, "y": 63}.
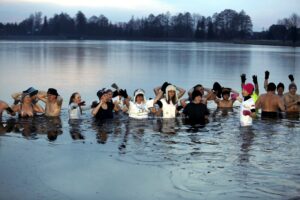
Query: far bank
{"x": 251, "y": 42}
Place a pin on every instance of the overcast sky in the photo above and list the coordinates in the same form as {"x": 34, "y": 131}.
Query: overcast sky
{"x": 262, "y": 12}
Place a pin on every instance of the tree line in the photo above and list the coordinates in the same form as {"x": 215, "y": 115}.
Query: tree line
{"x": 285, "y": 29}
{"x": 226, "y": 25}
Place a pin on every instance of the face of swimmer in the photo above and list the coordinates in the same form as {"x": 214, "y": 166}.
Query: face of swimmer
{"x": 139, "y": 98}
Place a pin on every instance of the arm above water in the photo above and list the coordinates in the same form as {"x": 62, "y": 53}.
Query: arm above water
{"x": 181, "y": 92}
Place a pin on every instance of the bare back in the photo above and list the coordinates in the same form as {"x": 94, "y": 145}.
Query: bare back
{"x": 270, "y": 102}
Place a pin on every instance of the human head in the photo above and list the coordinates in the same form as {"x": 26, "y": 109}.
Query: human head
{"x": 200, "y": 88}
{"x": 171, "y": 94}
{"x": 109, "y": 94}
{"x": 196, "y": 96}
{"x": 271, "y": 87}
{"x": 75, "y": 98}
{"x": 102, "y": 95}
{"x": 247, "y": 89}
{"x": 32, "y": 92}
{"x": 26, "y": 98}
{"x": 139, "y": 96}
{"x": 52, "y": 94}
{"x": 225, "y": 94}
{"x": 217, "y": 88}
{"x": 293, "y": 88}
{"x": 280, "y": 88}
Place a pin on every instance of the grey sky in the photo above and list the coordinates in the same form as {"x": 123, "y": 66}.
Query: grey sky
{"x": 262, "y": 12}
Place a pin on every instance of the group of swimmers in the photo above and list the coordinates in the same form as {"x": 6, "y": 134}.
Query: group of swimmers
{"x": 168, "y": 102}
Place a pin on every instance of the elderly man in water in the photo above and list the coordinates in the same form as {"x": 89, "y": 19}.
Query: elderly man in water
{"x": 292, "y": 99}
{"x": 53, "y": 102}
{"x": 270, "y": 103}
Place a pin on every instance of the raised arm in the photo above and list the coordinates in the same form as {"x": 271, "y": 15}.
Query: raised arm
{"x": 254, "y": 78}
{"x": 156, "y": 90}
{"x": 181, "y": 92}
{"x": 42, "y": 95}
{"x": 266, "y": 82}
{"x": 159, "y": 95}
{"x": 17, "y": 95}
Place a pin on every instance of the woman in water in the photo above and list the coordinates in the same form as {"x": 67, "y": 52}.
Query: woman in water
{"x": 25, "y": 108}
{"x": 168, "y": 104}
{"x": 104, "y": 109}
{"x": 139, "y": 107}
{"x": 76, "y": 106}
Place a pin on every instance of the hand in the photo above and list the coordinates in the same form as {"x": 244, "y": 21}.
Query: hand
{"x": 10, "y": 111}
{"x": 115, "y": 86}
{"x": 243, "y": 78}
{"x": 123, "y": 93}
{"x": 94, "y": 104}
{"x": 17, "y": 101}
{"x": 291, "y": 77}
{"x": 267, "y": 74}
{"x": 234, "y": 96}
{"x": 164, "y": 86}
{"x": 246, "y": 113}
{"x": 81, "y": 103}
{"x": 254, "y": 77}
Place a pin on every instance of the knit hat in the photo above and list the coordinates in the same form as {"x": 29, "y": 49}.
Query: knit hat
{"x": 249, "y": 87}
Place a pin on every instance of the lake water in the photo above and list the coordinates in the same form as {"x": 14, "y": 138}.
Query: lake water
{"x": 45, "y": 158}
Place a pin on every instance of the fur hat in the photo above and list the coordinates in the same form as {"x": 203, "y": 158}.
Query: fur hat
{"x": 139, "y": 92}
{"x": 171, "y": 88}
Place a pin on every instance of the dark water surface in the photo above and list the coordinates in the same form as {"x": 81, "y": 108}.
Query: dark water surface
{"x": 54, "y": 158}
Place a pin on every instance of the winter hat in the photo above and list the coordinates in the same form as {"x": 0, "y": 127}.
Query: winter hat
{"x": 101, "y": 92}
{"x": 171, "y": 88}
{"x": 249, "y": 88}
{"x": 138, "y": 92}
{"x": 31, "y": 91}
{"x": 195, "y": 94}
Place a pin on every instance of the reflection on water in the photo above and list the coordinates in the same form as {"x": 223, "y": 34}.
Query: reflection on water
{"x": 218, "y": 161}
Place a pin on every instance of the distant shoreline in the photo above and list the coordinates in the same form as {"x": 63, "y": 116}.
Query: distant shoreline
{"x": 66, "y": 38}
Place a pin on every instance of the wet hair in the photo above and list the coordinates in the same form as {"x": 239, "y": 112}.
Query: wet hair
{"x": 271, "y": 87}
{"x": 72, "y": 97}
{"x": 280, "y": 85}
